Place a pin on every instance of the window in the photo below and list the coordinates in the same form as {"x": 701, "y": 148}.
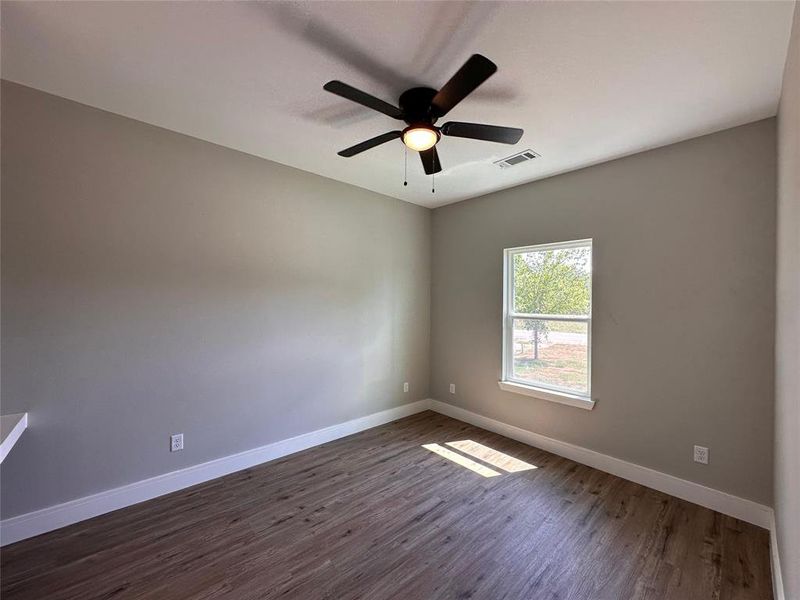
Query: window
{"x": 547, "y": 322}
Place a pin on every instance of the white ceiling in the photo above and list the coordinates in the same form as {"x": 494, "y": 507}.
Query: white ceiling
{"x": 587, "y": 81}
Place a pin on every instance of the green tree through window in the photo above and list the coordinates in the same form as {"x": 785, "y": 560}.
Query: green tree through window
{"x": 551, "y": 282}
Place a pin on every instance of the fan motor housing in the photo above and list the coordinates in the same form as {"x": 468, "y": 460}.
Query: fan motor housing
{"x": 416, "y": 105}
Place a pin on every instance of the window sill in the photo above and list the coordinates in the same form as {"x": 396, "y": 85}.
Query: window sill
{"x": 542, "y": 394}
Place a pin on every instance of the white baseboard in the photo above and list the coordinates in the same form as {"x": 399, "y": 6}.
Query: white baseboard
{"x": 775, "y": 560}
{"x": 54, "y": 517}
{"x": 727, "y": 504}
{"x": 12, "y": 428}
{"x": 48, "y": 519}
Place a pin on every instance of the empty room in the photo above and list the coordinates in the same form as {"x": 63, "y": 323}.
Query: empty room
{"x": 400, "y": 300}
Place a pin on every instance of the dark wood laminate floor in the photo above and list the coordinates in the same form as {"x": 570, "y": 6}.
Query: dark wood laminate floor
{"x": 376, "y": 516}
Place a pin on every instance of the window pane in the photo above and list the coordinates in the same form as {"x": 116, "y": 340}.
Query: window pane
{"x": 552, "y": 353}
{"x": 553, "y": 282}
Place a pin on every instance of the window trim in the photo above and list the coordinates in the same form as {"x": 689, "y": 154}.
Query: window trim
{"x": 539, "y": 390}
{"x": 544, "y": 394}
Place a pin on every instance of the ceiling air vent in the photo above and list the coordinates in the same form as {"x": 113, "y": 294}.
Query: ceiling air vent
{"x": 515, "y": 159}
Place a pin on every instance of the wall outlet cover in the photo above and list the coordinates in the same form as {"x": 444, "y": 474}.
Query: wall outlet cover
{"x": 701, "y": 454}
{"x": 176, "y": 442}
{"x": 452, "y": 388}
{"x": 405, "y": 387}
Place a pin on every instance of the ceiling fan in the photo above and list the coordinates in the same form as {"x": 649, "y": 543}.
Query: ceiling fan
{"x": 421, "y": 107}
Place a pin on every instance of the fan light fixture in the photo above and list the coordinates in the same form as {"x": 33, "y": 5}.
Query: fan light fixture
{"x": 421, "y": 107}
{"x": 420, "y": 138}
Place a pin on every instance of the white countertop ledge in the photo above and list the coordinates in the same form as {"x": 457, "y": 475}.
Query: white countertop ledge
{"x": 542, "y": 394}
{"x": 11, "y": 427}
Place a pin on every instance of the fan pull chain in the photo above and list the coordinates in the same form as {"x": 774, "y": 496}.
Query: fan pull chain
{"x": 405, "y": 164}
{"x": 433, "y": 172}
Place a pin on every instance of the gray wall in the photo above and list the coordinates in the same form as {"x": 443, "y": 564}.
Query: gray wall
{"x": 153, "y": 283}
{"x": 787, "y": 342}
{"x": 683, "y": 333}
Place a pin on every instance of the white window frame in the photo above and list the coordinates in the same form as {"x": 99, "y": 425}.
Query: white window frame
{"x": 526, "y": 388}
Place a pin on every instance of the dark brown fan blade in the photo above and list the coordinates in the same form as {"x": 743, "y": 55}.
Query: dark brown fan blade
{"x": 474, "y": 72}
{"x": 362, "y": 98}
{"x": 371, "y": 143}
{"x": 430, "y": 161}
{"x": 478, "y": 131}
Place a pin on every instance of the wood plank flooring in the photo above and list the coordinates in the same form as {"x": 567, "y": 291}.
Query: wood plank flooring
{"x": 376, "y": 516}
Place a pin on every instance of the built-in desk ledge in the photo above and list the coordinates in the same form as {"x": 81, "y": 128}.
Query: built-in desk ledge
{"x": 11, "y": 427}
{"x": 542, "y": 394}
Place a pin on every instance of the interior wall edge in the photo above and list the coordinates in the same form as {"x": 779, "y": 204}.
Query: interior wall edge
{"x": 786, "y": 454}
{"x": 775, "y": 560}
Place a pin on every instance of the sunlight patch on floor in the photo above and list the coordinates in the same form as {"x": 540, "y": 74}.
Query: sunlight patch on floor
{"x": 491, "y": 456}
{"x": 461, "y": 460}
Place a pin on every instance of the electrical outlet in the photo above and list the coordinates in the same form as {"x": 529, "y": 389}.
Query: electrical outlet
{"x": 701, "y": 454}
{"x": 405, "y": 387}
{"x": 452, "y": 388}
{"x": 176, "y": 442}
